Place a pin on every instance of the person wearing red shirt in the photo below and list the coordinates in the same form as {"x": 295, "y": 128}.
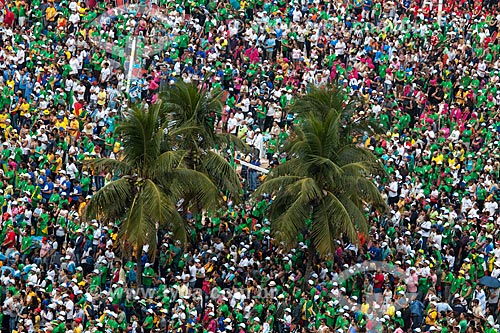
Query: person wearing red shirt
{"x": 9, "y": 242}
{"x": 10, "y": 238}
{"x": 378, "y": 281}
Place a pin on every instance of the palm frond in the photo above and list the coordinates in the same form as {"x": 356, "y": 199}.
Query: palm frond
{"x": 194, "y": 185}
{"x": 272, "y": 185}
{"x": 139, "y": 228}
{"x": 331, "y": 220}
{"x": 112, "y": 199}
{"x": 287, "y": 226}
{"x": 117, "y": 166}
{"x": 166, "y": 162}
{"x": 141, "y": 141}
{"x": 222, "y": 173}
{"x": 225, "y": 140}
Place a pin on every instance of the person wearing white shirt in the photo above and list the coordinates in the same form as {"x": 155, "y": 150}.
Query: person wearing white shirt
{"x": 105, "y": 72}
{"x": 491, "y": 206}
{"x": 455, "y": 135}
{"x": 192, "y": 273}
{"x": 393, "y": 191}
{"x": 340, "y": 48}
{"x": 70, "y": 306}
{"x": 74, "y": 18}
{"x": 466, "y": 203}
{"x": 239, "y": 116}
{"x": 287, "y": 318}
{"x": 244, "y": 262}
{"x": 68, "y": 84}
{"x": 297, "y": 14}
{"x": 232, "y": 124}
{"x": 96, "y": 236}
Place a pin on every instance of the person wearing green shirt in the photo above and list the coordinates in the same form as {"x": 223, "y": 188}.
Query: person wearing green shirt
{"x": 26, "y": 243}
{"x": 457, "y": 283}
{"x": 149, "y": 321}
{"x": 60, "y": 328}
{"x": 116, "y": 294}
{"x": 148, "y": 275}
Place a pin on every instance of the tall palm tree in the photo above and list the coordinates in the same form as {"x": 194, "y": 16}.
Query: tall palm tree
{"x": 193, "y": 111}
{"x": 153, "y": 180}
{"x": 325, "y": 186}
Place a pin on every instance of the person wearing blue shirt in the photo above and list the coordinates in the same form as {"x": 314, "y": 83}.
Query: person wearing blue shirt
{"x": 488, "y": 248}
{"x": 375, "y": 252}
{"x": 47, "y": 189}
{"x": 279, "y": 35}
{"x": 28, "y": 90}
{"x": 24, "y": 82}
{"x": 71, "y": 267}
{"x": 191, "y": 323}
{"x": 417, "y": 313}
{"x": 270, "y": 46}
{"x": 76, "y": 194}
{"x": 367, "y": 7}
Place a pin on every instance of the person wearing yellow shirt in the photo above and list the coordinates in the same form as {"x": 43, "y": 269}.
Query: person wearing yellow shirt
{"x": 391, "y": 311}
{"x": 58, "y": 162}
{"x": 365, "y": 307}
{"x": 10, "y": 83}
{"x": 8, "y": 129}
{"x": 462, "y": 153}
{"x": 50, "y": 12}
{"x": 61, "y": 122}
{"x": 431, "y": 317}
{"x": 101, "y": 97}
{"x": 116, "y": 147}
{"x": 452, "y": 161}
{"x": 24, "y": 108}
{"x": 438, "y": 158}
{"x": 78, "y": 326}
{"x": 3, "y": 119}
{"x": 51, "y": 160}
{"x": 73, "y": 127}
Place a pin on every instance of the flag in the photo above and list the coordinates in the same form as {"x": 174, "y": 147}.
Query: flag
{"x": 232, "y": 162}
{"x": 71, "y": 103}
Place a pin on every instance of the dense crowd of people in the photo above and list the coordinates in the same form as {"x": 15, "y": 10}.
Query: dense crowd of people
{"x": 428, "y": 74}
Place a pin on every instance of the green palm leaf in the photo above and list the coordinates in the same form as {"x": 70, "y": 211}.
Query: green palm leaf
{"x": 327, "y": 178}
{"x": 112, "y": 199}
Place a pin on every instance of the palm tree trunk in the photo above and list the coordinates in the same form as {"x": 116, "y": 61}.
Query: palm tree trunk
{"x": 138, "y": 278}
{"x": 310, "y": 262}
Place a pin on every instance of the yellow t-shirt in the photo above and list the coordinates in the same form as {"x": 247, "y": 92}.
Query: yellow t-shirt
{"x": 116, "y": 147}
{"x": 58, "y": 163}
{"x": 3, "y": 119}
{"x": 51, "y": 157}
{"x": 61, "y": 123}
{"x": 365, "y": 307}
{"x": 431, "y": 317}
{"x": 76, "y": 125}
{"x": 50, "y": 13}
{"x": 10, "y": 84}
{"x": 101, "y": 97}
{"x": 438, "y": 159}
{"x": 25, "y": 107}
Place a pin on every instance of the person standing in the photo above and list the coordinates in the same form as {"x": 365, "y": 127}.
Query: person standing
{"x": 8, "y": 312}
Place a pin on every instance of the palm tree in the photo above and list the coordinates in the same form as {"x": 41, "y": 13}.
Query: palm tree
{"x": 325, "y": 186}
{"x": 153, "y": 180}
{"x": 193, "y": 111}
